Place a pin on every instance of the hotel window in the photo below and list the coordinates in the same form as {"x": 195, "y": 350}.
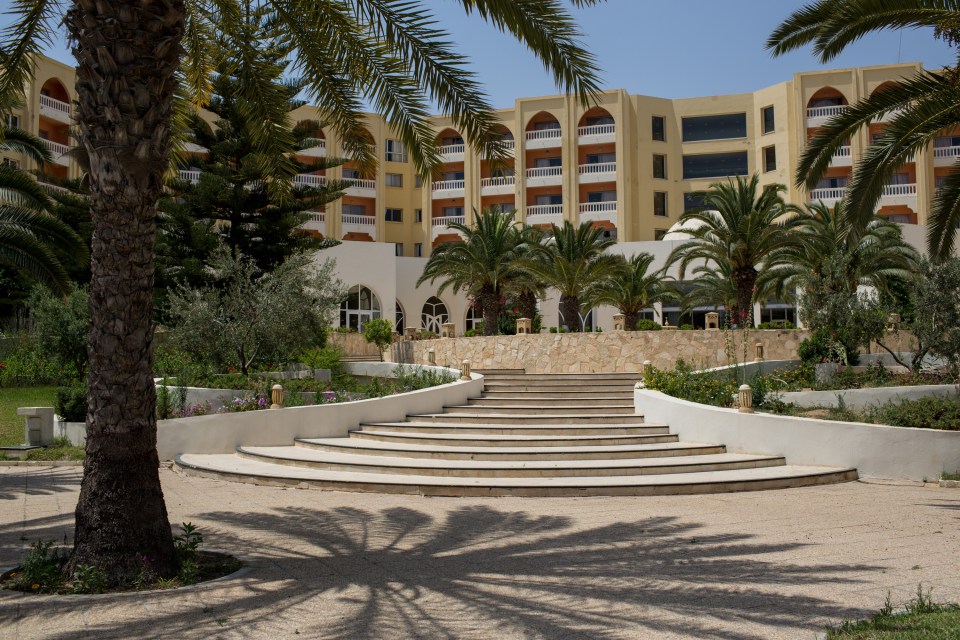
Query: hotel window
{"x": 350, "y": 174}
{"x": 769, "y": 159}
{"x": 354, "y": 210}
{"x": 394, "y": 215}
{"x": 546, "y": 125}
{"x": 418, "y": 249}
{"x": 598, "y": 120}
{"x": 899, "y": 178}
{"x": 12, "y": 121}
{"x": 769, "y": 123}
{"x": 659, "y": 233}
{"x": 418, "y": 215}
{"x": 660, "y": 203}
{"x": 833, "y": 183}
{"x": 418, "y": 182}
{"x": 451, "y": 140}
{"x": 394, "y": 179}
{"x": 601, "y": 158}
{"x": 715, "y": 165}
{"x": 396, "y": 152}
{"x": 692, "y": 200}
{"x": 722, "y": 127}
{"x": 398, "y": 249}
{"x": 541, "y": 163}
{"x": 659, "y": 133}
{"x": 453, "y": 212}
{"x": 502, "y": 207}
{"x": 602, "y": 196}
{"x": 551, "y": 199}
{"x": 660, "y": 167}
{"x": 453, "y": 175}
{"x": 10, "y": 162}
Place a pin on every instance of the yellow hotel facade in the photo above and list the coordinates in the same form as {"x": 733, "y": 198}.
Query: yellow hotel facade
{"x": 630, "y": 164}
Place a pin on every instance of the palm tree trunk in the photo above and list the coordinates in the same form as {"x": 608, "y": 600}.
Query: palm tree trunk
{"x": 490, "y": 304}
{"x": 743, "y": 281}
{"x": 127, "y": 53}
{"x": 570, "y": 313}
{"x": 527, "y": 303}
{"x": 630, "y": 319}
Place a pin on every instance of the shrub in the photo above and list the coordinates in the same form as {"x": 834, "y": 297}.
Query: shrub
{"x": 59, "y": 328}
{"x": 27, "y": 367}
{"x": 379, "y": 332}
{"x": 471, "y": 333}
{"x": 687, "y": 327}
{"x": 71, "y": 403}
{"x": 647, "y": 325}
{"x": 936, "y": 412}
{"x": 41, "y": 570}
{"x": 825, "y": 346}
{"x": 683, "y": 383}
{"x": 777, "y": 324}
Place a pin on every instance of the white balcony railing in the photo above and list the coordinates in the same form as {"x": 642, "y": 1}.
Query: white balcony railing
{"x": 946, "y": 152}
{"x": 453, "y": 149}
{"x": 544, "y": 134}
{"x": 358, "y": 219}
{"x": 190, "y": 175}
{"x": 310, "y": 180}
{"x": 446, "y": 221}
{"x": 361, "y": 184}
{"x": 448, "y": 185}
{"x": 509, "y": 144}
{"x": 598, "y": 167}
{"x": 598, "y": 207}
{"x": 56, "y": 148}
{"x": 544, "y": 172}
{"x": 316, "y": 147}
{"x": 502, "y": 181}
{"x": 597, "y": 130}
{"x": 900, "y": 190}
{"x": 843, "y": 152}
{"x": 56, "y": 105}
{"x": 830, "y": 193}
{"x": 544, "y": 210}
{"x": 317, "y": 216}
{"x": 826, "y": 112}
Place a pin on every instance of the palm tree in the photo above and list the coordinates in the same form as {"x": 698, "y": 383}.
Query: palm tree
{"x": 483, "y": 265}
{"x": 139, "y": 63}
{"x": 919, "y": 108}
{"x": 873, "y": 256}
{"x": 572, "y": 261}
{"x": 738, "y": 227}
{"x": 631, "y": 288}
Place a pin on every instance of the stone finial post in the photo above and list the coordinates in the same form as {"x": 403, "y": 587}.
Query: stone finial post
{"x": 746, "y": 399}
{"x": 277, "y": 393}
{"x": 524, "y": 326}
{"x": 448, "y": 330}
{"x": 647, "y": 371}
{"x": 410, "y": 333}
{"x": 713, "y": 320}
{"x": 465, "y": 370}
{"x": 619, "y": 322}
{"x": 38, "y": 425}
{"x": 759, "y": 348}
{"x": 431, "y": 356}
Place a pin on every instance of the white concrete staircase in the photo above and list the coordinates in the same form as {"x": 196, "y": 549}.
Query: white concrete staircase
{"x": 528, "y": 435}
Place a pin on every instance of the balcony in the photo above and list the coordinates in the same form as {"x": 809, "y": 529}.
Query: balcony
{"x": 442, "y": 224}
{"x": 544, "y": 176}
{"x": 598, "y": 211}
{"x": 829, "y": 196}
{"x": 56, "y": 109}
{"x": 597, "y": 172}
{"x": 447, "y": 189}
{"x": 315, "y": 148}
{"x": 502, "y": 186}
{"x": 317, "y": 222}
{"x": 351, "y": 223}
{"x": 190, "y": 175}
{"x": 818, "y": 116}
{"x": 899, "y": 194}
{"x": 945, "y": 156}
{"x": 545, "y": 214}
{"x": 58, "y": 151}
{"x": 453, "y": 152}
{"x": 361, "y": 188}
{"x": 544, "y": 138}
{"x": 310, "y": 180}
{"x": 842, "y": 157}
{"x": 597, "y": 134}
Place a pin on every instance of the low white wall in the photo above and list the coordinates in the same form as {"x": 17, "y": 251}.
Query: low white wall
{"x": 224, "y": 432}
{"x": 860, "y": 398}
{"x": 874, "y": 450}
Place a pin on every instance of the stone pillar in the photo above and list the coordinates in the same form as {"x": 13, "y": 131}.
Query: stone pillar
{"x": 713, "y": 320}
{"x": 38, "y": 425}
{"x": 448, "y": 330}
{"x": 619, "y": 322}
{"x": 410, "y": 333}
{"x": 746, "y": 399}
{"x": 465, "y": 370}
{"x": 277, "y": 393}
{"x": 759, "y": 350}
{"x": 524, "y": 326}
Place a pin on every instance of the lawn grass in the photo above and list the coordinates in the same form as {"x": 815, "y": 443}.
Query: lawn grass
{"x": 919, "y": 619}
{"x": 11, "y": 425}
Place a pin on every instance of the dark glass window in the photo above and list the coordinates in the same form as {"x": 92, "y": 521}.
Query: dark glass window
{"x": 602, "y": 196}
{"x": 659, "y": 128}
{"x": 692, "y": 200}
{"x": 660, "y": 167}
{"x": 770, "y": 159}
{"x": 722, "y": 127}
{"x": 394, "y": 215}
{"x": 660, "y": 203}
{"x": 715, "y": 165}
{"x": 658, "y": 235}
{"x": 769, "y": 123}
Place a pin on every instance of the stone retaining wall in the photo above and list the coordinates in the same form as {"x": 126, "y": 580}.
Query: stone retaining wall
{"x": 599, "y": 352}
{"x": 353, "y": 344}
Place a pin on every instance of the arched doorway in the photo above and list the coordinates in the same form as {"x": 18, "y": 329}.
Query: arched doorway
{"x": 434, "y": 314}
{"x": 401, "y": 322}
{"x": 360, "y": 305}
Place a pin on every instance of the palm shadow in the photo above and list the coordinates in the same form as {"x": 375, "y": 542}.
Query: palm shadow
{"x": 483, "y": 572}
{"x": 37, "y": 481}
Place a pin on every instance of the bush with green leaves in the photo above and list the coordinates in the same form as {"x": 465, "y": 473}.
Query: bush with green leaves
{"x": 379, "y": 332}
{"x": 777, "y": 324}
{"x": 59, "y": 327}
{"x": 27, "y": 367}
{"x": 247, "y": 316}
{"x": 645, "y": 324}
{"x": 71, "y": 403}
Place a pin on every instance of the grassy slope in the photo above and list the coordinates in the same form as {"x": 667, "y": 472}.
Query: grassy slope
{"x": 930, "y": 625}
{"x": 11, "y": 425}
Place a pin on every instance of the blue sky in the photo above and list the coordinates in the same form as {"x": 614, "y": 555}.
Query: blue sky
{"x": 674, "y": 49}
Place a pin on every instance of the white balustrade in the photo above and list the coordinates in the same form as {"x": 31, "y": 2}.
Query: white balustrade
{"x": 826, "y": 112}
{"x": 502, "y": 181}
{"x": 544, "y": 172}
{"x": 448, "y": 185}
{"x": 56, "y": 148}
{"x": 446, "y": 221}
{"x": 56, "y": 105}
{"x": 597, "y": 130}
{"x": 598, "y": 167}
{"x": 452, "y": 149}
{"x": 946, "y": 152}
{"x": 190, "y": 175}
{"x": 310, "y": 180}
{"x": 544, "y": 134}
{"x": 361, "y": 184}
{"x": 900, "y": 190}
{"x": 831, "y": 193}
{"x": 349, "y": 218}
{"x": 544, "y": 210}
{"x": 598, "y": 207}
{"x": 317, "y": 216}
{"x": 843, "y": 152}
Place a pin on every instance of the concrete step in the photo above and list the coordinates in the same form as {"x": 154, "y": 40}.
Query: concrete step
{"x": 448, "y": 452}
{"x": 604, "y": 394}
{"x": 233, "y": 467}
{"x": 499, "y": 401}
{"x": 516, "y": 429}
{"x": 537, "y": 409}
{"x": 556, "y": 388}
{"x": 509, "y": 440}
{"x": 565, "y": 378}
{"x": 496, "y": 372}
{"x": 543, "y": 418}
{"x": 315, "y": 459}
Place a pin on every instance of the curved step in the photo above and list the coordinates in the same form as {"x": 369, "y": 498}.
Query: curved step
{"x": 565, "y": 397}
{"x": 517, "y": 429}
{"x": 561, "y": 378}
{"x": 508, "y": 418}
{"x": 446, "y": 452}
{"x": 315, "y": 459}
{"x": 479, "y": 440}
{"x": 498, "y": 406}
{"x": 232, "y": 467}
{"x": 553, "y": 388}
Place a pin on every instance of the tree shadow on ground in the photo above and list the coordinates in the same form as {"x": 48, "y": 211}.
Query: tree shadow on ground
{"x": 479, "y": 572}
{"x": 38, "y": 481}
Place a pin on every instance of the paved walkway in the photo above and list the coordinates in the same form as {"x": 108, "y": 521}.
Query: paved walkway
{"x": 775, "y": 564}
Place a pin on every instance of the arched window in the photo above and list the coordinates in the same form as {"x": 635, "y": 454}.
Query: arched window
{"x": 401, "y": 320}
{"x": 434, "y": 314}
{"x": 473, "y": 318}
{"x": 360, "y": 305}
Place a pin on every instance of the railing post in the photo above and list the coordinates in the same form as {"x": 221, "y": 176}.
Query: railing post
{"x": 277, "y": 393}
{"x": 746, "y": 399}
{"x": 465, "y": 370}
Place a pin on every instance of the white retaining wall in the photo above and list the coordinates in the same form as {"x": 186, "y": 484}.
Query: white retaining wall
{"x": 860, "y": 398}
{"x": 224, "y": 432}
{"x": 874, "y": 450}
